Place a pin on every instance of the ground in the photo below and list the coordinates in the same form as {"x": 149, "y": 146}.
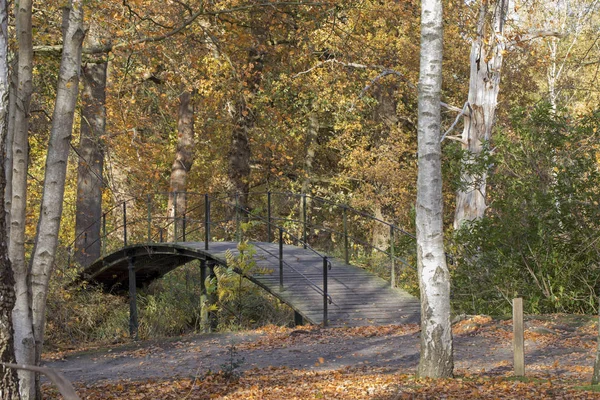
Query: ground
{"x": 338, "y": 363}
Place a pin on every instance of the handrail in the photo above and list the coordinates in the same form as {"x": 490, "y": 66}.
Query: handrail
{"x": 160, "y": 220}
{"x": 282, "y": 229}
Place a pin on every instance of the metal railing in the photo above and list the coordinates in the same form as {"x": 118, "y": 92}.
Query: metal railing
{"x": 303, "y": 220}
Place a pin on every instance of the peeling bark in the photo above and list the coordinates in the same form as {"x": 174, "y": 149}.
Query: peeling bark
{"x": 487, "y": 52}
{"x": 436, "y": 359}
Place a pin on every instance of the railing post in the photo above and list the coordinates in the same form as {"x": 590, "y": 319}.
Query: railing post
{"x": 325, "y": 299}
{"x": 280, "y": 259}
{"x": 149, "y": 209}
{"x": 206, "y": 221}
{"x": 304, "y": 226}
{"x": 124, "y": 224}
{"x": 103, "y": 234}
{"x": 133, "y": 315}
{"x": 160, "y": 230}
{"x": 346, "y": 255}
{"x": 175, "y": 217}
{"x": 269, "y": 237}
{"x": 392, "y": 257}
{"x": 183, "y": 227}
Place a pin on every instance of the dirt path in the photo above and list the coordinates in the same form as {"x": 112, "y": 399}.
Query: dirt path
{"x": 559, "y": 346}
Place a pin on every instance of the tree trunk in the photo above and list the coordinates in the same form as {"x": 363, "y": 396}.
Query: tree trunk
{"x": 312, "y": 134}
{"x": 436, "y": 359}
{"x": 239, "y": 154}
{"x": 184, "y": 158}
{"x": 9, "y": 382}
{"x": 596, "y": 374}
{"x": 46, "y": 240}
{"x": 90, "y": 166}
{"x": 484, "y": 82}
{"x": 244, "y": 119}
{"x": 8, "y": 161}
{"x": 22, "y": 317}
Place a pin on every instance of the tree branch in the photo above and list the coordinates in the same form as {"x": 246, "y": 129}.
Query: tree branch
{"x": 385, "y": 72}
{"x": 110, "y": 47}
{"x": 534, "y": 35}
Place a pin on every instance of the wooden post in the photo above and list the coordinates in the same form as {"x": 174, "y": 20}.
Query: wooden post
{"x": 518, "y": 337}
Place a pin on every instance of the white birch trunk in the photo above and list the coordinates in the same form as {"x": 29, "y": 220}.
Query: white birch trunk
{"x": 22, "y": 317}
{"x": 487, "y": 52}
{"x": 46, "y": 240}
{"x": 436, "y": 334}
{"x": 9, "y": 389}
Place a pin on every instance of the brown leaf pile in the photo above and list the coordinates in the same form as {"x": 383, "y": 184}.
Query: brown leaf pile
{"x": 358, "y": 383}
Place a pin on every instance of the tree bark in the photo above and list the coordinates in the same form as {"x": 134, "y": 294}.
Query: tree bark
{"x": 22, "y": 317}
{"x": 244, "y": 119}
{"x": 8, "y": 160}
{"x": 9, "y": 382}
{"x": 90, "y": 166}
{"x": 487, "y": 52}
{"x": 46, "y": 240}
{"x": 436, "y": 359}
{"x": 184, "y": 159}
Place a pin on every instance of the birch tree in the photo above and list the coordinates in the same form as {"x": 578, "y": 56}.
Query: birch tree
{"x": 436, "y": 334}
{"x": 46, "y": 240}
{"x": 9, "y": 388}
{"x": 22, "y": 318}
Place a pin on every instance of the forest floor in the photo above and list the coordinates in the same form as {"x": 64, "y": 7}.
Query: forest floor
{"x": 338, "y": 363}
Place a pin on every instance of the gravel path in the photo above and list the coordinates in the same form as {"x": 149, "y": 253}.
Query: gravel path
{"x": 481, "y": 345}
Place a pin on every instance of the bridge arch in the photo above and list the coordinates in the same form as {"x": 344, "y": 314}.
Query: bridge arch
{"x": 142, "y": 242}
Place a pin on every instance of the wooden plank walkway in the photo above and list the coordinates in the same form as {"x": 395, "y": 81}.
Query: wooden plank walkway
{"x": 358, "y": 297}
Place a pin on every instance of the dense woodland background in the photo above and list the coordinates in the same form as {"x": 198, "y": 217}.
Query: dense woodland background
{"x": 320, "y": 98}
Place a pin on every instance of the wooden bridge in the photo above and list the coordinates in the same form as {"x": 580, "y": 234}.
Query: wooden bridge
{"x": 320, "y": 289}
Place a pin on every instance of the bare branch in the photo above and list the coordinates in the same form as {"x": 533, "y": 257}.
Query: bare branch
{"x": 383, "y": 74}
{"x": 462, "y": 112}
{"x": 64, "y": 385}
{"x": 534, "y": 35}
{"x": 110, "y": 47}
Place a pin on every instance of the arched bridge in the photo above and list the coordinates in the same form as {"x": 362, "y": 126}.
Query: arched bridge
{"x": 142, "y": 239}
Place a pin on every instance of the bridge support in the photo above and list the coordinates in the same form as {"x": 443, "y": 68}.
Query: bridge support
{"x": 133, "y": 313}
{"x": 208, "y": 319}
{"x": 298, "y": 319}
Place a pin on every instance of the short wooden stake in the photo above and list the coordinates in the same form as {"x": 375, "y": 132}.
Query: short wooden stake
{"x": 518, "y": 337}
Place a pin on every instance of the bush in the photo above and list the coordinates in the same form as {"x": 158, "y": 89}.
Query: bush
{"x": 539, "y": 238}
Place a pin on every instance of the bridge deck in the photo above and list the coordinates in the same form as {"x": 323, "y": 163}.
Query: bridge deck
{"x": 358, "y": 297}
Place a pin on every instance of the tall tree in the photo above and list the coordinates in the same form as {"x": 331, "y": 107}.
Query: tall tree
{"x": 9, "y": 389}
{"x": 46, "y": 240}
{"x": 184, "y": 158}
{"x": 22, "y": 318}
{"x": 434, "y": 278}
{"x": 91, "y": 153}
{"x": 487, "y": 52}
